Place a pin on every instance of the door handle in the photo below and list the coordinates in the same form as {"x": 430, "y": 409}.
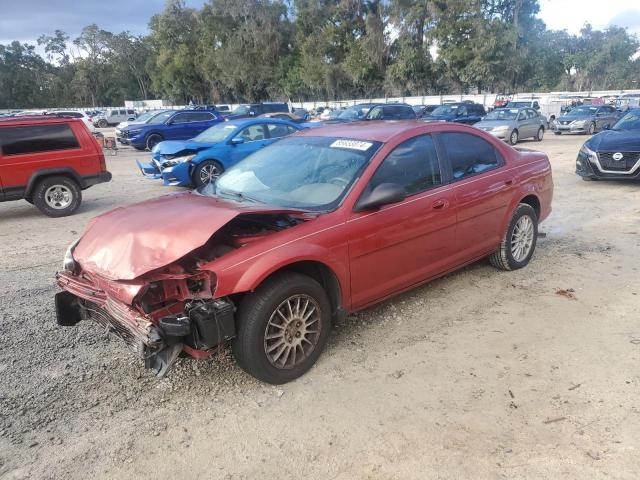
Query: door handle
{"x": 508, "y": 182}
{"x": 440, "y": 204}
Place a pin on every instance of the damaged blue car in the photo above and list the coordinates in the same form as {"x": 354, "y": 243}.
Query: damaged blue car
{"x": 199, "y": 161}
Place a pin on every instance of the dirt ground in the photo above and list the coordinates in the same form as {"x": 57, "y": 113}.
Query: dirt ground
{"x": 482, "y": 374}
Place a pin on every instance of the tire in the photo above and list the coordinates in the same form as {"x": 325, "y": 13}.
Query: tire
{"x": 256, "y": 318}
{"x": 592, "y": 129}
{"x": 513, "y": 137}
{"x": 153, "y": 140}
{"x": 103, "y": 123}
{"x": 506, "y": 257}
{"x": 206, "y": 172}
{"x": 557, "y": 133}
{"x": 588, "y": 179}
{"x": 57, "y": 196}
{"x": 540, "y": 135}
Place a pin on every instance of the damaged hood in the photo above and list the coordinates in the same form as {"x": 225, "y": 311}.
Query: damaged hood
{"x": 130, "y": 241}
{"x": 173, "y": 148}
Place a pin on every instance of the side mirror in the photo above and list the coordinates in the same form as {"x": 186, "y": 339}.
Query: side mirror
{"x": 237, "y": 140}
{"x": 607, "y": 127}
{"x": 383, "y": 194}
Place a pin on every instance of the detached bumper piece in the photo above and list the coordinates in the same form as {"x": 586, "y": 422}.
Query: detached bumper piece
{"x": 149, "y": 170}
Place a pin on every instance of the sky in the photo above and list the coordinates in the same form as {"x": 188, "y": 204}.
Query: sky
{"x": 26, "y": 20}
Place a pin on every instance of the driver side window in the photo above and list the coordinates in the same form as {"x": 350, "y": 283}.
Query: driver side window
{"x": 413, "y": 165}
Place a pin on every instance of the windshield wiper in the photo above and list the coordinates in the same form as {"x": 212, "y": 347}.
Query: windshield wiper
{"x": 238, "y": 195}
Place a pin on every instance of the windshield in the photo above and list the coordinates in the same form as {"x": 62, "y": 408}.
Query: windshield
{"x": 311, "y": 173}
{"x": 217, "y": 133}
{"x": 631, "y": 121}
{"x": 584, "y": 110}
{"x": 352, "y": 113}
{"x": 160, "y": 118}
{"x": 518, "y": 104}
{"x": 145, "y": 117}
{"x": 503, "y": 114}
{"x": 241, "y": 110}
{"x": 445, "y": 110}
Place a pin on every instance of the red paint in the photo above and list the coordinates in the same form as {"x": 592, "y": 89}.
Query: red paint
{"x": 373, "y": 254}
{"x": 84, "y": 162}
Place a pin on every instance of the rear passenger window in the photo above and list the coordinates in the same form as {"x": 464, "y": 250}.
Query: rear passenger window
{"x": 469, "y": 154}
{"x": 201, "y": 117}
{"x": 37, "y": 138}
{"x": 276, "y": 131}
{"x": 532, "y": 114}
{"x": 413, "y": 165}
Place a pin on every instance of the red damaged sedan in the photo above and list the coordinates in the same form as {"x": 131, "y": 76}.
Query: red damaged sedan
{"x": 320, "y": 224}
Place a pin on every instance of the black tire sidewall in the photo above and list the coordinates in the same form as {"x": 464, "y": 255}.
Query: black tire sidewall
{"x": 195, "y": 175}
{"x": 148, "y": 141}
{"x": 522, "y": 210}
{"x": 253, "y": 315}
{"x": 40, "y": 202}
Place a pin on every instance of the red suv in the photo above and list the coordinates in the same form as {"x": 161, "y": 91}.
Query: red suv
{"x": 48, "y": 162}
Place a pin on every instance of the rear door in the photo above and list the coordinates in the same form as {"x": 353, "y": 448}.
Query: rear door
{"x": 402, "y": 244}
{"x": 483, "y": 190}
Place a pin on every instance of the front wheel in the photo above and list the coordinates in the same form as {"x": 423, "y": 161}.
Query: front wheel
{"x": 540, "y": 134}
{"x": 153, "y": 140}
{"x": 103, "y": 123}
{"x": 206, "y": 172}
{"x": 592, "y": 129}
{"x": 282, "y": 328}
{"x": 513, "y": 138}
{"x": 57, "y": 196}
{"x": 519, "y": 241}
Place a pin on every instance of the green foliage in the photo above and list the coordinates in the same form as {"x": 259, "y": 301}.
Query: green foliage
{"x": 251, "y": 50}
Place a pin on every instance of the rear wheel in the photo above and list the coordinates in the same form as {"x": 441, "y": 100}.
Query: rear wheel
{"x": 540, "y": 134}
{"x": 513, "y": 138}
{"x": 206, "y": 172}
{"x": 57, "y": 196}
{"x": 519, "y": 241}
{"x": 282, "y": 328}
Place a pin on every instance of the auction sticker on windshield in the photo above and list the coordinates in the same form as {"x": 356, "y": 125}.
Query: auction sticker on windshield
{"x": 352, "y": 144}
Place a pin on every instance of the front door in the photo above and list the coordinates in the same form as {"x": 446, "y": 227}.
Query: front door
{"x": 254, "y": 137}
{"x": 483, "y": 190}
{"x": 402, "y": 244}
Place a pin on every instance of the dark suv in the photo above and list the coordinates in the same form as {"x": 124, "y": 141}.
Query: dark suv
{"x": 48, "y": 161}
{"x": 254, "y": 109}
{"x": 462, "y": 112}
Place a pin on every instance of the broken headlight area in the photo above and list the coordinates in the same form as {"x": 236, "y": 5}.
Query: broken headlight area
{"x": 69, "y": 263}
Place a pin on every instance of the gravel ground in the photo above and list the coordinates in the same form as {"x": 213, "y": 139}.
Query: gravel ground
{"x": 481, "y": 374}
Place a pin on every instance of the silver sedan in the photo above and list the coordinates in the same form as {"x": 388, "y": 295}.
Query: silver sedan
{"x": 514, "y": 124}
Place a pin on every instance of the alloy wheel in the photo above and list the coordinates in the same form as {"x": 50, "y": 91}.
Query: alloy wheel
{"x": 522, "y": 238}
{"x": 208, "y": 173}
{"x": 58, "y": 197}
{"x": 293, "y": 331}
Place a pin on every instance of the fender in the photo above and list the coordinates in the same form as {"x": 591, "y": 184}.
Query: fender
{"x": 248, "y": 275}
{"x": 47, "y": 172}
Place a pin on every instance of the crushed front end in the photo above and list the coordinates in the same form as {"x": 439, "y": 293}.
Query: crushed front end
{"x": 166, "y": 318}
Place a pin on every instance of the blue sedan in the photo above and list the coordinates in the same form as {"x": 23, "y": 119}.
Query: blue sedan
{"x": 202, "y": 159}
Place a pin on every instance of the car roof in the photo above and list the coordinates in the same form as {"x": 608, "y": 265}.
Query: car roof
{"x": 243, "y": 122}
{"x": 376, "y": 130}
{"x": 42, "y": 119}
